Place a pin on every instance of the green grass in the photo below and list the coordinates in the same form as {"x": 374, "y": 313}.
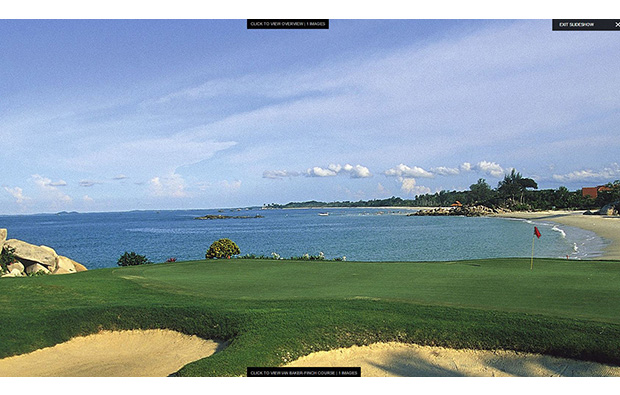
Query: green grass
{"x": 272, "y": 312}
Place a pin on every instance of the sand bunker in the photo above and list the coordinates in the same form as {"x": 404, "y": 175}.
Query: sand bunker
{"x": 135, "y": 353}
{"x": 410, "y": 360}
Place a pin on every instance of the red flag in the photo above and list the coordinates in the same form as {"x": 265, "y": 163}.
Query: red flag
{"x": 536, "y": 232}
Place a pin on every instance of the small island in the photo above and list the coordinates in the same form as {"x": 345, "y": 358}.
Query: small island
{"x": 219, "y": 216}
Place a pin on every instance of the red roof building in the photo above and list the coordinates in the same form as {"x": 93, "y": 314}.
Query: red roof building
{"x": 593, "y": 191}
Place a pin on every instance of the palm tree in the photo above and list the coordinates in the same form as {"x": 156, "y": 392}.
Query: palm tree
{"x": 514, "y": 184}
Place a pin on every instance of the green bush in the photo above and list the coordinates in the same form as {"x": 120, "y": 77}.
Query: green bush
{"x": 132, "y": 259}
{"x": 7, "y": 257}
{"x": 222, "y": 248}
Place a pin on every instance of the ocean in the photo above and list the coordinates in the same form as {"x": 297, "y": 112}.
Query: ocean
{"x": 97, "y": 240}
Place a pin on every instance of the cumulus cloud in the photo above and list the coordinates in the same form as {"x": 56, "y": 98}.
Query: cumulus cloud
{"x": 87, "y": 199}
{"x": 169, "y": 186}
{"x": 403, "y": 170}
{"x": 120, "y": 177}
{"x": 445, "y": 171}
{"x": 490, "y": 168}
{"x": 46, "y": 185}
{"x": 606, "y": 174}
{"x": 357, "y": 171}
{"x": 276, "y": 174}
{"x": 18, "y": 194}
{"x": 466, "y": 166}
{"x": 408, "y": 185}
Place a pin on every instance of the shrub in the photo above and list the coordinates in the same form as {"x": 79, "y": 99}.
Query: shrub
{"x": 7, "y": 257}
{"x": 132, "y": 259}
{"x": 222, "y": 248}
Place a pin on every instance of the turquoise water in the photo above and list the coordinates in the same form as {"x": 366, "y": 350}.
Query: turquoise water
{"x": 98, "y": 239}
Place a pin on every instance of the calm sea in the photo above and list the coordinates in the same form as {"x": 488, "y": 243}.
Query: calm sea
{"x": 98, "y": 239}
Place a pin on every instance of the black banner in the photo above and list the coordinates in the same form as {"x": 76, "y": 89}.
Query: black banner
{"x": 288, "y": 23}
{"x": 586, "y": 24}
{"x": 304, "y": 372}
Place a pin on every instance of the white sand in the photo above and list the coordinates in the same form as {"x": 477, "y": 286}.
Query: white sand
{"x": 605, "y": 226}
{"x": 136, "y": 353}
{"x": 410, "y": 360}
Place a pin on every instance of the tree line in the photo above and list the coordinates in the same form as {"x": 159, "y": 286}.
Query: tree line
{"x": 514, "y": 192}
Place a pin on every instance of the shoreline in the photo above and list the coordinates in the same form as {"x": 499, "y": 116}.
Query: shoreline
{"x": 606, "y": 227}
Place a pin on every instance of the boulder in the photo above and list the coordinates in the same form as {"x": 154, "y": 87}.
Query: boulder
{"x": 30, "y": 254}
{"x": 13, "y": 273}
{"x": 35, "y": 268}
{"x": 64, "y": 265}
{"x": 79, "y": 267}
{"x": 16, "y": 265}
{"x": 609, "y": 209}
{"x": 2, "y": 236}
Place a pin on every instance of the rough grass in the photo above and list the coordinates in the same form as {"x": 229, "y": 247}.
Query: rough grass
{"x": 272, "y": 312}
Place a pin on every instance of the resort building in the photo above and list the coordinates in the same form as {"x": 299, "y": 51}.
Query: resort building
{"x": 593, "y": 191}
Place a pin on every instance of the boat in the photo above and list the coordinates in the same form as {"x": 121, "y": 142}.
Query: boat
{"x": 323, "y": 214}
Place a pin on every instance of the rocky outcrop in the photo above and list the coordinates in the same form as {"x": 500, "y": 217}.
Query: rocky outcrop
{"x": 467, "y": 211}
{"x": 609, "y": 209}
{"x": 36, "y": 268}
{"x": 30, "y": 254}
{"x": 65, "y": 265}
{"x": 32, "y": 259}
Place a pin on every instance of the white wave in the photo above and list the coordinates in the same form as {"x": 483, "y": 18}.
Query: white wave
{"x": 575, "y": 248}
{"x": 559, "y": 230}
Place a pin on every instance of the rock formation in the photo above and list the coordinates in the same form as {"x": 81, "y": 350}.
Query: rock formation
{"x": 31, "y": 259}
{"x": 467, "y": 211}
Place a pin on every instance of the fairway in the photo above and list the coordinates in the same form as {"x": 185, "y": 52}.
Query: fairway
{"x": 272, "y": 312}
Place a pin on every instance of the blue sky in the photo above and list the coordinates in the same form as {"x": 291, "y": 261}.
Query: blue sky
{"x": 121, "y": 115}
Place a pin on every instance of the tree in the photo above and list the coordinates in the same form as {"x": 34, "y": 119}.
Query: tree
{"x": 514, "y": 185}
{"x": 222, "y": 248}
{"x": 481, "y": 192}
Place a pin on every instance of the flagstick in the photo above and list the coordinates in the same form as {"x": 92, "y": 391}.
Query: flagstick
{"x": 532, "y": 261}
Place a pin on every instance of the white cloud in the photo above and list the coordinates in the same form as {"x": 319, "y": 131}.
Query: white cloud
{"x": 406, "y": 171}
{"x": 87, "y": 199}
{"x": 320, "y": 172}
{"x": 45, "y": 185}
{"x": 120, "y": 177}
{"x": 59, "y": 183}
{"x": 172, "y": 185}
{"x": 466, "y": 166}
{"x": 276, "y": 174}
{"x": 408, "y": 185}
{"x": 606, "y": 174}
{"x": 18, "y": 194}
{"x": 357, "y": 171}
{"x": 490, "y": 168}
{"x": 445, "y": 171}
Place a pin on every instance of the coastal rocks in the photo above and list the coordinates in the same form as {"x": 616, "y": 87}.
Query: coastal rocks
{"x": 16, "y": 266}
{"x": 36, "y": 268}
{"x": 13, "y": 273}
{"x": 219, "y": 216}
{"x": 467, "y": 211}
{"x": 65, "y": 265}
{"x": 29, "y": 254}
{"x": 609, "y": 209}
{"x": 79, "y": 267}
{"x": 32, "y": 259}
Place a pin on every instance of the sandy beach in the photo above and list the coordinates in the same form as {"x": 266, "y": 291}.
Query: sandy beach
{"x": 605, "y": 226}
{"x": 411, "y": 360}
{"x": 135, "y": 353}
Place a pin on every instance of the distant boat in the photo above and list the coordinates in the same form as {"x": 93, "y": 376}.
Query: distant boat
{"x": 323, "y": 214}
